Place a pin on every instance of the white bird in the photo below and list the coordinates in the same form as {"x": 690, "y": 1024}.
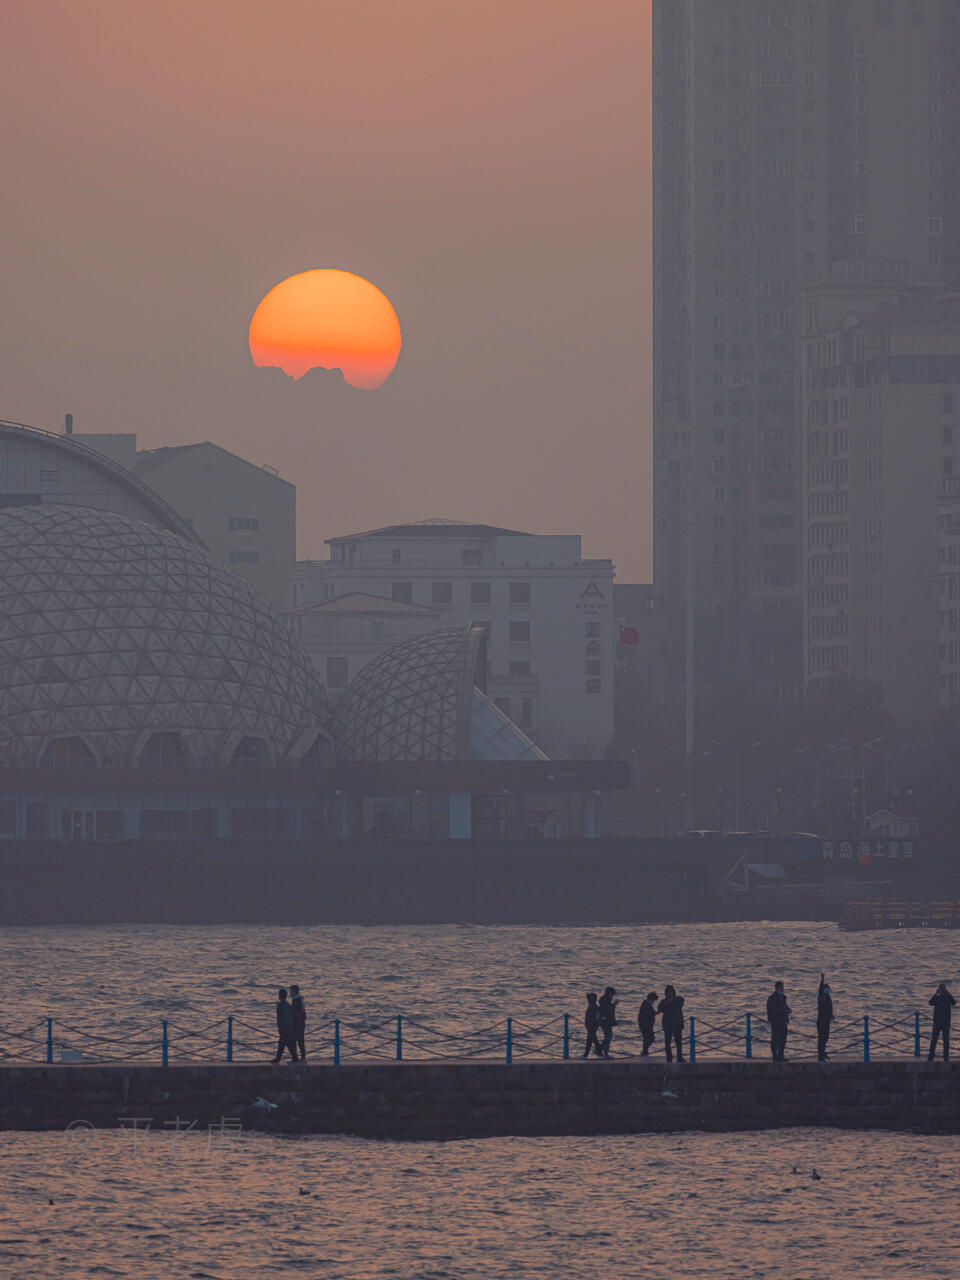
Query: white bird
{"x": 667, "y": 1092}
{"x": 263, "y": 1105}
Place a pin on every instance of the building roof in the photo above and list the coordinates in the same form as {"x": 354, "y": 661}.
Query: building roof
{"x": 361, "y": 602}
{"x": 437, "y": 527}
{"x": 161, "y": 511}
{"x": 941, "y": 310}
{"x": 148, "y": 459}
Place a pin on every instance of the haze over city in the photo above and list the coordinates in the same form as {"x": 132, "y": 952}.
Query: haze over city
{"x": 488, "y": 168}
{"x": 480, "y": 639}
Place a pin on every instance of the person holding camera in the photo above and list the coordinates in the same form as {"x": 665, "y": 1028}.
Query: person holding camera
{"x": 942, "y": 1002}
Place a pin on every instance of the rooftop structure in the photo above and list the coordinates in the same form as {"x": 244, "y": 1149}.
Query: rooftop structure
{"x": 37, "y": 466}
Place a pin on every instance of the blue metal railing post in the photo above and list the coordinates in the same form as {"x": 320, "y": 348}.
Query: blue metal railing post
{"x": 399, "y": 1036}
{"x": 509, "y": 1040}
{"x": 566, "y": 1035}
{"x": 866, "y": 1038}
{"x": 749, "y": 1039}
{"x": 916, "y": 1033}
{"x": 693, "y": 1039}
{"x": 165, "y": 1044}
{"x": 230, "y": 1038}
{"x": 49, "y": 1039}
{"x": 336, "y": 1042}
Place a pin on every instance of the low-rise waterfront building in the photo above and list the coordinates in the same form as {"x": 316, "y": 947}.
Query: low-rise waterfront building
{"x": 547, "y": 612}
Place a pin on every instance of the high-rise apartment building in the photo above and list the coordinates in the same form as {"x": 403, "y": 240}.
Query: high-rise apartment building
{"x": 789, "y": 136}
{"x": 882, "y": 413}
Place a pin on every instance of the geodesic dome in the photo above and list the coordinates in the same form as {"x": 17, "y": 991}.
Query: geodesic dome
{"x": 424, "y": 700}
{"x": 121, "y": 638}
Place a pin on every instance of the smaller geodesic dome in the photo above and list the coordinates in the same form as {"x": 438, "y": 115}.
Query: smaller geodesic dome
{"x": 122, "y": 642}
{"x": 424, "y": 700}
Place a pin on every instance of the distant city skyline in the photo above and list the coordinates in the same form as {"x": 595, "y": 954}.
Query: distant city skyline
{"x": 487, "y": 169}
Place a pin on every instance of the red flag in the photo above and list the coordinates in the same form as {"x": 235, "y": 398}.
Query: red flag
{"x": 629, "y": 635}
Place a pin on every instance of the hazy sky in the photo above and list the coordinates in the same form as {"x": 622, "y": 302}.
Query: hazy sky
{"x": 487, "y": 165}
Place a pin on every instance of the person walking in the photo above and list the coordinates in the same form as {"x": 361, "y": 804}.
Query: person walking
{"x": 942, "y": 1002}
{"x": 285, "y": 1038}
{"x": 591, "y": 1020}
{"x": 670, "y": 1009}
{"x": 824, "y": 1018}
{"x": 298, "y": 1007}
{"x": 647, "y": 1021}
{"x": 608, "y": 1018}
{"x": 778, "y": 1015}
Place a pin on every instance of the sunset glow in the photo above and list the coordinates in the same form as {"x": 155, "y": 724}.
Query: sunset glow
{"x": 327, "y": 319}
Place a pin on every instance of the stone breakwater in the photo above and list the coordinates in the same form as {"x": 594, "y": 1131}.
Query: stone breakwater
{"x": 426, "y": 1101}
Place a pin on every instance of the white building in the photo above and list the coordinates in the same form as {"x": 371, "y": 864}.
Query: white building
{"x": 548, "y": 614}
{"x": 344, "y": 634}
{"x": 245, "y": 514}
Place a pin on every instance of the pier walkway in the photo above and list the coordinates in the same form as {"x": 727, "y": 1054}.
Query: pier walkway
{"x": 474, "y": 1099}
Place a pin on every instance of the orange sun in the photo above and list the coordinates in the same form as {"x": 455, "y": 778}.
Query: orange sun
{"x": 330, "y": 320}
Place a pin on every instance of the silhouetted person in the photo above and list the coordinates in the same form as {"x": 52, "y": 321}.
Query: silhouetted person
{"x": 778, "y": 1015}
{"x": 591, "y": 1020}
{"x": 670, "y": 1009}
{"x": 285, "y": 1038}
{"x": 942, "y": 1002}
{"x": 647, "y": 1021}
{"x": 298, "y": 1007}
{"x": 824, "y": 1018}
{"x": 608, "y": 1018}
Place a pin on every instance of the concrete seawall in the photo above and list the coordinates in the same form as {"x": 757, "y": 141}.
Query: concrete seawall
{"x": 427, "y": 1101}
{"x": 393, "y": 881}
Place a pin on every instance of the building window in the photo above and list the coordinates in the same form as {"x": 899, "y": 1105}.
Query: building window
{"x": 397, "y": 553}
{"x": 519, "y": 668}
{"x": 441, "y": 593}
{"x": 244, "y": 522}
{"x": 519, "y": 632}
{"x": 526, "y": 713}
{"x": 519, "y": 592}
{"x": 948, "y": 434}
{"x": 479, "y": 592}
{"x": 469, "y": 557}
{"x": 948, "y": 402}
{"x": 336, "y": 673}
{"x": 935, "y": 226}
{"x": 402, "y": 592}
{"x": 244, "y": 557}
